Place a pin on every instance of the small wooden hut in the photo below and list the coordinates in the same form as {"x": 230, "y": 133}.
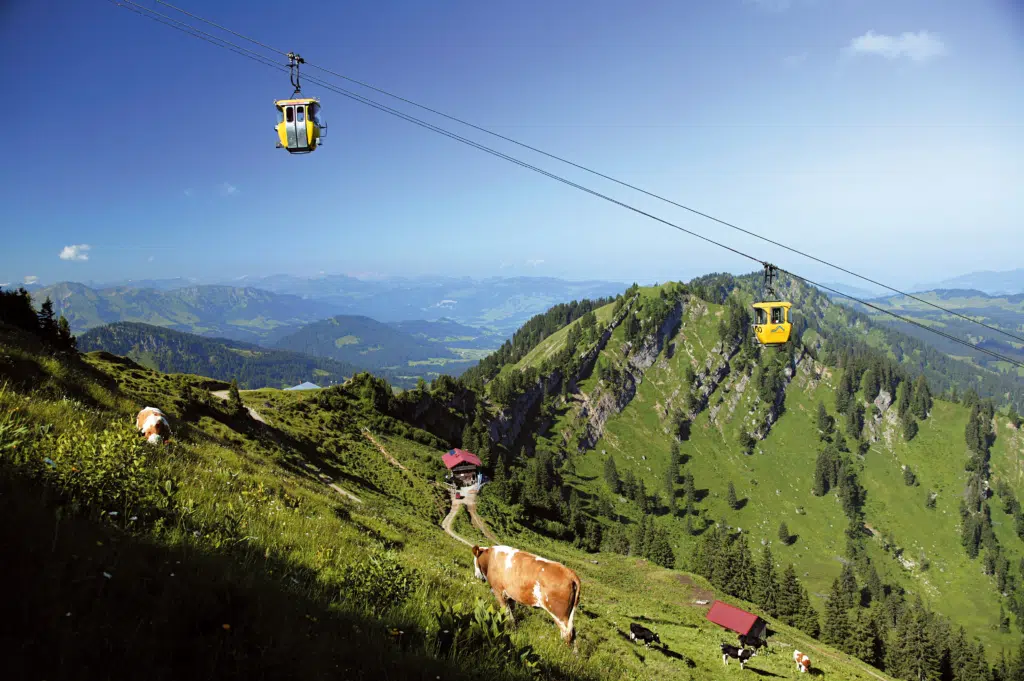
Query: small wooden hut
{"x": 747, "y": 625}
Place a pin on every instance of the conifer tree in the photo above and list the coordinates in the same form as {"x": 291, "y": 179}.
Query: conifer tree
{"x": 784, "y": 535}
{"x": 921, "y": 403}
{"x": 903, "y": 394}
{"x": 731, "y": 499}
{"x": 766, "y": 591}
{"x": 864, "y": 638}
{"x": 808, "y": 620}
{"x": 909, "y": 426}
{"x": 611, "y": 476}
{"x": 47, "y": 321}
{"x": 826, "y": 424}
{"x": 844, "y": 392}
{"x": 689, "y": 491}
{"x": 743, "y": 567}
{"x": 790, "y": 603}
{"x": 64, "y": 338}
{"x": 874, "y": 585}
{"x": 235, "y": 404}
{"x": 848, "y": 589}
{"x": 837, "y": 626}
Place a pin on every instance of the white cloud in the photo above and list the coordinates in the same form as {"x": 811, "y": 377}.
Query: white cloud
{"x": 149, "y": 259}
{"x": 6, "y": 283}
{"x": 919, "y": 47}
{"x": 76, "y": 252}
{"x": 31, "y": 279}
{"x": 534, "y": 262}
{"x": 189, "y": 192}
{"x": 795, "y": 59}
{"x": 228, "y": 189}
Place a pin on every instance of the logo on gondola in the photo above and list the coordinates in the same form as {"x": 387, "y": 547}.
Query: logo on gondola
{"x": 778, "y": 329}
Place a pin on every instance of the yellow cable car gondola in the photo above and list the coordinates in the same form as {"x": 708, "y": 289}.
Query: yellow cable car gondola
{"x": 300, "y": 128}
{"x": 772, "y": 322}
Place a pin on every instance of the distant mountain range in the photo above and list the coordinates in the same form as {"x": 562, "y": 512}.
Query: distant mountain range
{"x": 369, "y": 343}
{"x": 253, "y": 366}
{"x": 268, "y": 308}
{"x": 246, "y": 314}
{"x": 1007, "y": 282}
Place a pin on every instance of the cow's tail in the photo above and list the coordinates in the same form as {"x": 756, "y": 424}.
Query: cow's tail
{"x": 575, "y": 605}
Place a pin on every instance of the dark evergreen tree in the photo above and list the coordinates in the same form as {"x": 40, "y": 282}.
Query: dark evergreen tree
{"x": 64, "y": 338}
{"x": 909, "y": 426}
{"x": 47, "y": 321}
{"x": 235, "y": 404}
{"x": 874, "y": 585}
{"x": 789, "y": 605}
{"x": 611, "y": 476}
{"x": 864, "y": 639}
{"x": 766, "y": 589}
{"x": 674, "y": 461}
{"x": 784, "y": 536}
{"x": 837, "y": 625}
{"x": 731, "y": 499}
{"x": 826, "y": 424}
{"x": 848, "y": 589}
{"x": 742, "y": 582}
{"x": 921, "y": 402}
{"x": 844, "y": 392}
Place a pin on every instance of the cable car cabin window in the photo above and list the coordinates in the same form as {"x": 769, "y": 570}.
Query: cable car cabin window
{"x": 289, "y": 114}
{"x": 280, "y": 116}
{"x": 760, "y": 316}
{"x": 314, "y": 113}
{"x": 300, "y": 113}
{"x": 776, "y": 315}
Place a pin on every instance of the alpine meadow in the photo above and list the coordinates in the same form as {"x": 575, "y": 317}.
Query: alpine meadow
{"x": 867, "y": 512}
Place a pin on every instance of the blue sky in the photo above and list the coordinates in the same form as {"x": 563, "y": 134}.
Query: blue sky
{"x": 885, "y": 135}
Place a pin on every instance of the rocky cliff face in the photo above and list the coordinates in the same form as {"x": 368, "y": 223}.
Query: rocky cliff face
{"x": 508, "y": 424}
{"x": 639, "y": 358}
{"x": 771, "y": 414}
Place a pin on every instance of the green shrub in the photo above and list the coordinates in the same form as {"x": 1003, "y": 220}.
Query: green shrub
{"x": 378, "y": 581}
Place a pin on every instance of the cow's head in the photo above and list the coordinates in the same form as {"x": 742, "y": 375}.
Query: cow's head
{"x": 480, "y": 560}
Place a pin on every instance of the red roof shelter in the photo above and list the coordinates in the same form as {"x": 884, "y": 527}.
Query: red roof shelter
{"x": 742, "y": 622}
{"x": 454, "y": 457}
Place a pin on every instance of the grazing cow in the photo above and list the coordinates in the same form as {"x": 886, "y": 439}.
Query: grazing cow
{"x": 642, "y": 633}
{"x": 803, "y": 663}
{"x": 152, "y": 423}
{"x": 531, "y": 580}
{"x": 741, "y": 654}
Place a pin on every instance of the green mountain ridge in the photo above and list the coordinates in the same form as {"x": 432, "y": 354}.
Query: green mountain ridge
{"x": 252, "y": 365}
{"x": 643, "y": 441}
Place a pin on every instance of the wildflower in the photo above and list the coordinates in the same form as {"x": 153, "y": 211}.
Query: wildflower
{"x": 226, "y": 627}
{"x": 107, "y": 575}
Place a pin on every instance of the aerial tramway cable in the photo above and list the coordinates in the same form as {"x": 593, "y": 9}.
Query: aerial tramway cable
{"x": 615, "y": 180}
{"x": 191, "y": 30}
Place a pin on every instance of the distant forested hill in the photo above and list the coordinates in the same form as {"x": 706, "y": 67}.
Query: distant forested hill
{"x": 176, "y": 352}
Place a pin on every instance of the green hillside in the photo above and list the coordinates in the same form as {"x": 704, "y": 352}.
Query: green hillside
{"x": 289, "y": 548}
{"x": 367, "y": 342}
{"x": 1002, "y": 312}
{"x": 688, "y": 386}
{"x": 251, "y": 365}
{"x": 650, "y": 447}
{"x": 245, "y": 314}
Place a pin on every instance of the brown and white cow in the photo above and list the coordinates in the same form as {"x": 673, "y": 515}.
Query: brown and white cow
{"x": 531, "y": 580}
{"x": 152, "y": 423}
{"x": 803, "y": 663}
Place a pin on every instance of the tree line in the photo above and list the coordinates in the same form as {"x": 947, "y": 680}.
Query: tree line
{"x": 16, "y": 310}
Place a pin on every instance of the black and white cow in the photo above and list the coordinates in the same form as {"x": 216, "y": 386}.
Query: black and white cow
{"x": 741, "y": 654}
{"x": 637, "y": 632}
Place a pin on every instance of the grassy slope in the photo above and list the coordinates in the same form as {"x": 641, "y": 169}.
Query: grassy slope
{"x": 778, "y": 479}
{"x": 278, "y": 589}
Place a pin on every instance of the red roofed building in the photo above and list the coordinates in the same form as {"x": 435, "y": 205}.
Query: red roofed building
{"x": 463, "y": 465}
{"x": 742, "y": 622}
